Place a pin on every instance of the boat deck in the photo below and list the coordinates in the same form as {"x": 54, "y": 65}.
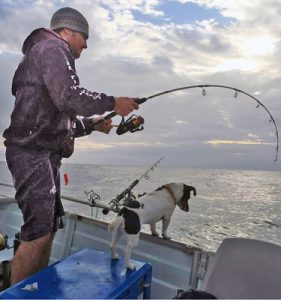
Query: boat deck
{"x": 175, "y": 265}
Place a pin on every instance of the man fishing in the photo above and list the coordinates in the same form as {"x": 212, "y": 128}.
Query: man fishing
{"x": 48, "y": 103}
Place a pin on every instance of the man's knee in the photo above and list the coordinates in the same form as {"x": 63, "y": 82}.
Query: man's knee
{"x": 39, "y": 243}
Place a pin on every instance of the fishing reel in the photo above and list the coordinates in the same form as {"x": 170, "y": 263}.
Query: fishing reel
{"x": 3, "y": 242}
{"x": 133, "y": 123}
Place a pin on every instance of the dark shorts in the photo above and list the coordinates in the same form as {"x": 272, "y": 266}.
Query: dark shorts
{"x": 36, "y": 178}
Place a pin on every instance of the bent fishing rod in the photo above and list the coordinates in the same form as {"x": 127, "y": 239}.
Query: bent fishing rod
{"x": 134, "y": 123}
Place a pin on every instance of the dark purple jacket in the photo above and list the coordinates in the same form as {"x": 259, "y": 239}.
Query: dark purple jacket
{"x": 48, "y": 95}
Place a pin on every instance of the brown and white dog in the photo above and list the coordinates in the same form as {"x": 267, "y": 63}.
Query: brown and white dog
{"x": 149, "y": 209}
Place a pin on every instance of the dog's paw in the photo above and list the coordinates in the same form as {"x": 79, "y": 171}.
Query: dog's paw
{"x": 155, "y": 233}
{"x": 166, "y": 237}
{"x": 114, "y": 256}
{"x": 131, "y": 267}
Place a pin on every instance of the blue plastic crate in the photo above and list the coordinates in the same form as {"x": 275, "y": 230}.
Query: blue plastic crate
{"x": 86, "y": 274}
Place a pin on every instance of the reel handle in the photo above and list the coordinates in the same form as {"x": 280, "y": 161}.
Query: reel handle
{"x": 105, "y": 211}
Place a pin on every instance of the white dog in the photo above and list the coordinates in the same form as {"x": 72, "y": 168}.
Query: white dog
{"x": 149, "y": 209}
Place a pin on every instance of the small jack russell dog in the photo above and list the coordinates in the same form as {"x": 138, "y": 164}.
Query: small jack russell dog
{"x": 149, "y": 209}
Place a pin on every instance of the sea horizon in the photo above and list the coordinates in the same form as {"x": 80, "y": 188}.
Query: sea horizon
{"x": 64, "y": 163}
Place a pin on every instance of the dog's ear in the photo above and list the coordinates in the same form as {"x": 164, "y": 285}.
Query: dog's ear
{"x": 187, "y": 190}
{"x": 194, "y": 190}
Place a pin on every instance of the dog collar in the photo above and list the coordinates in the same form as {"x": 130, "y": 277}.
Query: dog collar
{"x": 170, "y": 193}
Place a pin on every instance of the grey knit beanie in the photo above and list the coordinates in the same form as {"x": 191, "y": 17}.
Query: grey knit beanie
{"x": 70, "y": 18}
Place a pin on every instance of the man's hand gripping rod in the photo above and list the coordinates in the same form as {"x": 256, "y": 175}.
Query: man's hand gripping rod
{"x": 113, "y": 114}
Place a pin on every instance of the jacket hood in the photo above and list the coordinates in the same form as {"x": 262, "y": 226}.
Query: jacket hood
{"x": 36, "y": 36}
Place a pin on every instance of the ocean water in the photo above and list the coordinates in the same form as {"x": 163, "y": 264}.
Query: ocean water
{"x": 229, "y": 203}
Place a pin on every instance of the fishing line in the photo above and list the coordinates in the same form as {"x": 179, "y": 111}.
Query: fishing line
{"x": 204, "y": 93}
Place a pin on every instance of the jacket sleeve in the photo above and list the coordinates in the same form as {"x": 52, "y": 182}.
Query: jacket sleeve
{"x": 62, "y": 83}
{"x": 83, "y": 126}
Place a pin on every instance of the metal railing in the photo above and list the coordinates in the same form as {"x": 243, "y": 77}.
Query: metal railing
{"x": 64, "y": 197}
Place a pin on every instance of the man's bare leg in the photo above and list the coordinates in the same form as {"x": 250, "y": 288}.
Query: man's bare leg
{"x": 31, "y": 257}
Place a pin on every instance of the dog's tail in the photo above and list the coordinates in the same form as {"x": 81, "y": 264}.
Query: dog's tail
{"x": 115, "y": 224}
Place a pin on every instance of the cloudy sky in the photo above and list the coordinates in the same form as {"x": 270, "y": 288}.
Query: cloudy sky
{"x": 142, "y": 47}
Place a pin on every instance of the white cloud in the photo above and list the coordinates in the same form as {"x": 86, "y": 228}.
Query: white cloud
{"x": 182, "y": 122}
{"x": 85, "y": 143}
{"x": 239, "y": 142}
